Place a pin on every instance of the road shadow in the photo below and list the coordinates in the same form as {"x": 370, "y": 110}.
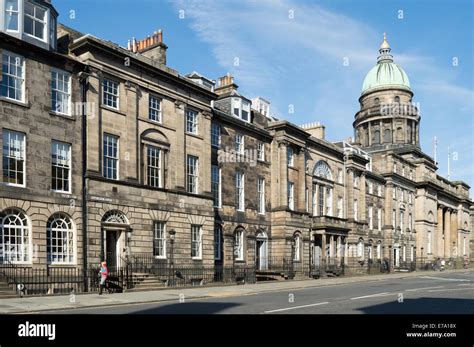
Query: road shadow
{"x": 190, "y": 308}
{"x": 422, "y": 306}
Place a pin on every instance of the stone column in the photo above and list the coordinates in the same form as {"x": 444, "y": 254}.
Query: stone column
{"x": 94, "y": 125}
{"x": 205, "y": 160}
{"x": 300, "y": 184}
{"x": 177, "y": 159}
{"x": 338, "y": 247}
{"x": 439, "y": 244}
{"x": 331, "y": 246}
{"x": 282, "y": 147}
{"x": 454, "y": 246}
{"x": 370, "y": 133}
{"x": 323, "y": 247}
{"x": 349, "y": 203}
{"x": 361, "y": 199}
{"x": 130, "y": 165}
{"x": 447, "y": 233}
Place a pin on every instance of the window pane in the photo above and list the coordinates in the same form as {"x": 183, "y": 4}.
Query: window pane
{"x": 11, "y": 15}
{"x": 15, "y": 236}
{"x": 153, "y": 166}
{"x": 12, "y": 76}
{"x": 110, "y": 165}
{"x": 60, "y": 239}
{"x": 13, "y": 157}
{"x": 60, "y": 166}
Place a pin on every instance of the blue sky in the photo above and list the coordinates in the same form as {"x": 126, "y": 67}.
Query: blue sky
{"x": 292, "y": 53}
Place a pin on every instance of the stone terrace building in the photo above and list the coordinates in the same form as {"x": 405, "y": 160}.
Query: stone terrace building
{"x": 122, "y": 158}
{"x": 40, "y": 108}
{"x": 148, "y": 154}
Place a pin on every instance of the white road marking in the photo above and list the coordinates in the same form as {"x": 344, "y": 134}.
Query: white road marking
{"x": 372, "y": 296}
{"x": 443, "y": 290}
{"x": 296, "y": 307}
{"x": 446, "y": 279}
{"x": 466, "y": 284}
{"x": 415, "y": 289}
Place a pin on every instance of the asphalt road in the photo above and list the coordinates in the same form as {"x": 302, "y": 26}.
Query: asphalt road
{"x": 433, "y": 293}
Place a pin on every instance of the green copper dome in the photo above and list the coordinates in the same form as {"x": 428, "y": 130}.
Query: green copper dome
{"x": 386, "y": 74}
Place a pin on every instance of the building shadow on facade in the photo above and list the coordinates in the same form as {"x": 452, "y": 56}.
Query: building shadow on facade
{"x": 190, "y": 308}
{"x": 422, "y": 306}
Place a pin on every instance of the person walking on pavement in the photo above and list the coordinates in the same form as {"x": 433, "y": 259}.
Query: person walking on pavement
{"x": 103, "y": 273}
{"x": 443, "y": 265}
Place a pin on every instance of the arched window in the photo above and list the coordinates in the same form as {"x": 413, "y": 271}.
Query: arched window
{"x": 399, "y": 134}
{"x": 154, "y": 148}
{"x": 60, "y": 239}
{"x": 387, "y": 136}
{"x": 379, "y": 249}
{"x": 115, "y": 216}
{"x": 15, "y": 236}
{"x": 369, "y": 250}
{"x": 218, "y": 242}
{"x": 377, "y": 137}
{"x": 397, "y": 99}
{"x": 322, "y": 169}
{"x": 297, "y": 254}
{"x": 376, "y": 101}
{"x": 239, "y": 244}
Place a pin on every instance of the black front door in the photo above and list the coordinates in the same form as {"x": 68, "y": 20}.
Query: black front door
{"x": 258, "y": 258}
{"x": 111, "y": 248}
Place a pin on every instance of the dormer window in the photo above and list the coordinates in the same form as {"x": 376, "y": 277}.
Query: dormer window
{"x": 11, "y": 15}
{"x": 31, "y": 21}
{"x": 241, "y": 109}
{"x": 35, "y": 20}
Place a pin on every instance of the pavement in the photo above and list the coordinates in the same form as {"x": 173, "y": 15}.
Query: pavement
{"x": 427, "y": 292}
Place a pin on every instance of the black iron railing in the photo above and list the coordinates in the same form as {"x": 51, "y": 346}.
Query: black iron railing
{"x": 49, "y": 280}
{"x": 147, "y": 271}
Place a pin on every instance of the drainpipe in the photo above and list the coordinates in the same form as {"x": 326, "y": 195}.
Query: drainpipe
{"x": 83, "y": 76}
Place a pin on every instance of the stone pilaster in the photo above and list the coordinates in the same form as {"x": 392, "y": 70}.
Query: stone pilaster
{"x": 283, "y": 174}
{"x": 439, "y": 246}
{"x": 447, "y": 233}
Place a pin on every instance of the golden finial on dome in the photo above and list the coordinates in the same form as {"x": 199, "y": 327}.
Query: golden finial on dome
{"x": 384, "y": 44}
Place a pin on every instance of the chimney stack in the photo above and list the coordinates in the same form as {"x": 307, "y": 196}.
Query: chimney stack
{"x": 315, "y": 129}
{"x": 151, "y": 47}
{"x": 226, "y": 85}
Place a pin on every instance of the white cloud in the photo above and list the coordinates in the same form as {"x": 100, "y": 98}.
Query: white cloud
{"x": 299, "y": 61}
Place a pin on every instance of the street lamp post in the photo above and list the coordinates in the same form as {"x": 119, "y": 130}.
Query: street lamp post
{"x": 172, "y": 234}
{"x": 384, "y": 263}
{"x": 389, "y": 257}
{"x": 422, "y": 262}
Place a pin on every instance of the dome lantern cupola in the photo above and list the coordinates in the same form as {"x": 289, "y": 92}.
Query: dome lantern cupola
{"x": 386, "y": 74}
{"x": 387, "y": 117}
{"x": 385, "y": 50}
